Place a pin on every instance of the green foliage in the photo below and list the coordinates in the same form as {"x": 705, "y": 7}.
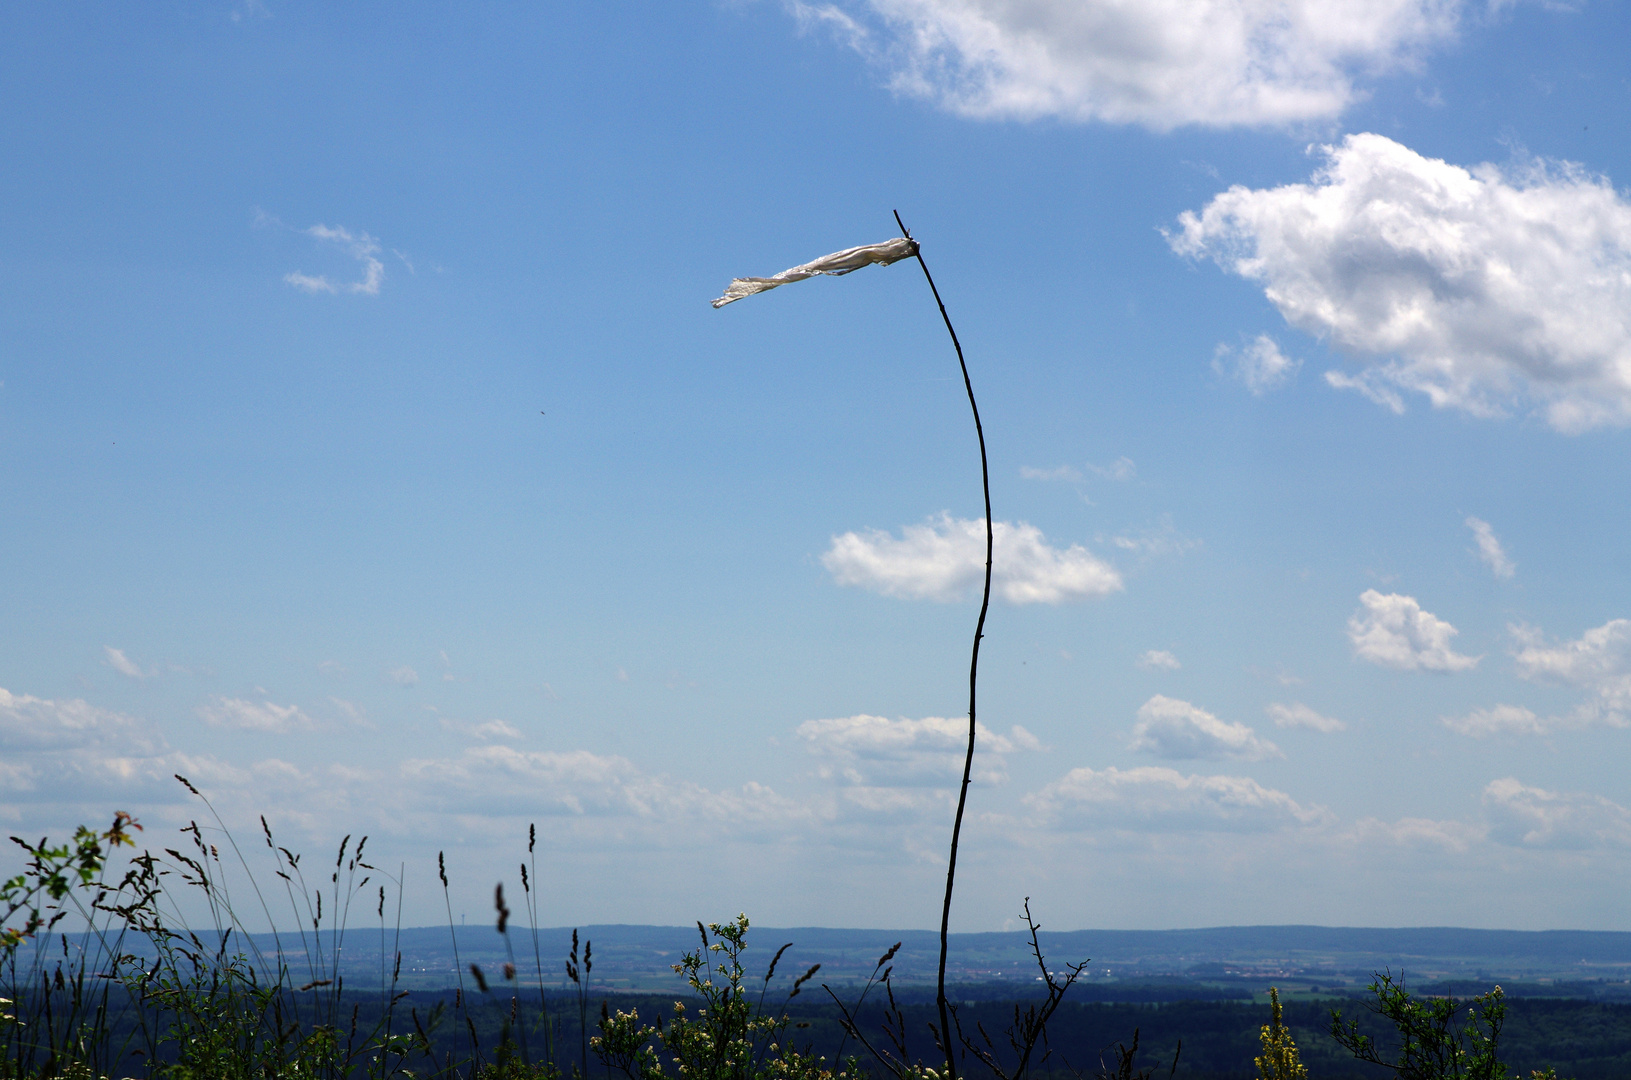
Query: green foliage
{"x": 729, "y": 1037}
{"x": 33, "y": 900}
{"x": 1431, "y": 1045}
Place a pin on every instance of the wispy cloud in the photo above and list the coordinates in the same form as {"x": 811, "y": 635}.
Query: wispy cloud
{"x": 1501, "y": 720}
{"x": 1120, "y": 470}
{"x": 118, "y": 661}
{"x": 1157, "y": 799}
{"x": 360, "y": 246}
{"x": 248, "y": 715}
{"x": 403, "y": 676}
{"x": 1298, "y": 715}
{"x": 1162, "y": 538}
{"x": 1170, "y": 728}
{"x": 875, "y": 751}
{"x": 1062, "y": 472}
{"x": 1392, "y": 630}
{"x": 1159, "y": 660}
{"x": 579, "y": 784}
{"x": 250, "y": 10}
{"x": 1490, "y": 549}
{"x": 944, "y": 559}
{"x": 486, "y": 731}
{"x": 29, "y": 723}
{"x": 1533, "y": 817}
{"x": 1259, "y": 365}
{"x": 1483, "y": 289}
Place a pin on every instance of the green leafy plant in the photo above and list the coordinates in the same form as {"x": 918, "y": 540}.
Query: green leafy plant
{"x": 34, "y": 899}
{"x": 1439, "y": 1038}
{"x": 729, "y": 1036}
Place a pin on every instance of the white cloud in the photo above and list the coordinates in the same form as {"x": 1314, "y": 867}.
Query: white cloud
{"x": 1393, "y": 631}
{"x": 1489, "y": 548}
{"x": 1159, "y": 63}
{"x": 1119, "y": 470}
{"x": 1162, "y": 800}
{"x": 577, "y": 783}
{"x": 1532, "y": 817}
{"x": 1159, "y": 660}
{"x": 1457, "y": 836}
{"x": 124, "y": 665}
{"x": 250, "y": 9}
{"x": 360, "y": 246}
{"x": 876, "y": 752}
{"x": 1161, "y": 539}
{"x": 1063, "y": 472}
{"x": 353, "y": 712}
{"x": 252, "y": 716}
{"x": 1501, "y": 720}
{"x": 1298, "y": 715}
{"x": 1599, "y": 661}
{"x": 40, "y": 724}
{"x": 403, "y": 676}
{"x": 1597, "y": 655}
{"x": 1483, "y": 289}
{"x": 69, "y": 753}
{"x": 1261, "y": 366}
{"x": 1171, "y": 728}
{"x": 486, "y": 731}
{"x": 944, "y": 559}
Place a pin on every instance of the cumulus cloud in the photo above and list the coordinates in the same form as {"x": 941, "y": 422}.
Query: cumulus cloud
{"x": 1170, "y": 728}
{"x": 1532, "y": 817}
{"x": 254, "y": 716}
{"x": 1162, "y": 800}
{"x": 1160, "y": 63}
{"x": 1260, "y": 365}
{"x": 1490, "y": 549}
{"x": 1298, "y": 715}
{"x": 1484, "y": 289}
{"x": 1393, "y": 631}
{"x": 1159, "y": 660}
{"x": 1598, "y": 661}
{"x": 876, "y": 752}
{"x": 124, "y": 665}
{"x": 360, "y": 246}
{"x": 944, "y": 559}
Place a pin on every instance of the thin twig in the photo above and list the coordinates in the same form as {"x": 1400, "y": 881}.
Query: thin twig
{"x": 973, "y": 665}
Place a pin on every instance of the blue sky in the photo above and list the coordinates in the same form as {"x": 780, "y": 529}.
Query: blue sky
{"x": 372, "y": 456}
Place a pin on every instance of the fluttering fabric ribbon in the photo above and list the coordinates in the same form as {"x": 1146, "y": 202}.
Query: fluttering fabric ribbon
{"x": 839, "y": 262}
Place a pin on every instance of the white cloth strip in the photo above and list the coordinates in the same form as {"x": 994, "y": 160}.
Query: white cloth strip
{"x": 839, "y": 262}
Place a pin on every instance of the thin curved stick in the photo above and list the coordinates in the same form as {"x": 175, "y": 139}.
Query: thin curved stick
{"x": 973, "y": 667}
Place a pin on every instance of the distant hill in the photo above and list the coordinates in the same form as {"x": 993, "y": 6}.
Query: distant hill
{"x": 1143, "y": 965}
{"x": 635, "y": 956}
